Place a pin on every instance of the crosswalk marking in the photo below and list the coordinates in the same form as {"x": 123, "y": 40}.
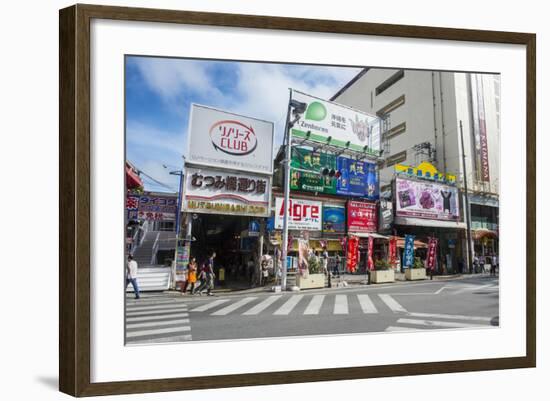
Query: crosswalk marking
{"x": 155, "y": 312}
{"x": 170, "y": 330}
{"x": 314, "y": 305}
{"x": 392, "y": 303}
{"x": 288, "y": 305}
{"x": 366, "y": 304}
{"x": 230, "y": 308}
{"x": 156, "y": 307}
{"x": 341, "y": 305}
{"x": 435, "y": 323}
{"x": 161, "y": 317}
{"x": 262, "y": 305}
{"x": 156, "y": 324}
{"x": 456, "y": 317}
{"x": 397, "y": 328}
{"x": 210, "y": 305}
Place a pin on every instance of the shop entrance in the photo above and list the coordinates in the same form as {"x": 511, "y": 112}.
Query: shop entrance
{"x": 236, "y": 247}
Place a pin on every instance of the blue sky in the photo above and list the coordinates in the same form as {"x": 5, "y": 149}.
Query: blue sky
{"x": 159, "y": 92}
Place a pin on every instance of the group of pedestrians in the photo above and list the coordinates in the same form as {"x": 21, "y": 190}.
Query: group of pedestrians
{"x": 205, "y": 277}
{"x": 480, "y": 261}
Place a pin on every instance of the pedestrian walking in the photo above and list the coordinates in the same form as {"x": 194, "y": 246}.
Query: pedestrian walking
{"x": 324, "y": 260}
{"x": 336, "y": 266}
{"x": 476, "y": 264}
{"x": 191, "y": 276}
{"x": 210, "y": 276}
{"x": 494, "y": 265}
{"x": 131, "y": 275}
{"x": 265, "y": 273}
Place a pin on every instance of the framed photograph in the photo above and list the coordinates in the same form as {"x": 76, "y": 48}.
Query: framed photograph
{"x": 283, "y": 200}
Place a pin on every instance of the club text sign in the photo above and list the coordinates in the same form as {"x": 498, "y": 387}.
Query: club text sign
{"x": 302, "y": 214}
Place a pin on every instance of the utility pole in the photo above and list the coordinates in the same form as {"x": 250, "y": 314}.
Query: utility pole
{"x": 467, "y": 202}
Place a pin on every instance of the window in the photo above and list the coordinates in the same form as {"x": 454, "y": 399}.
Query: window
{"x": 389, "y": 82}
{"x": 400, "y": 101}
{"x": 398, "y": 129}
{"x": 396, "y": 158}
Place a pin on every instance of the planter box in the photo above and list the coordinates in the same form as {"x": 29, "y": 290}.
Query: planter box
{"x": 415, "y": 274}
{"x": 382, "y": 276}
{"x": 310, "y": 281}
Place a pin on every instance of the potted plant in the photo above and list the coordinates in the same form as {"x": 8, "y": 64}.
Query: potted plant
{"x": 417, "y": 271}
{"x": 382, "y": 273}
{"x": 315, "y": 278}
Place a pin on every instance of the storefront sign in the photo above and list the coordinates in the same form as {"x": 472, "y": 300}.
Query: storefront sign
{"x": 426, "y": 171}
{"x": 334, "y": 218}
{"x": 385, "y": 216}
{"x": 216, "y": 191}
{"x": 302, "y": 214}
{"x": 227, "y": 140}
{"x": 480, "y": 127}
{"x": 346, "y": 127}
{"x": 362, "y": 217}
{"x": 151, "y": 207}
{"x": 306, "y": 169}
{"x": 432, "y": 253}
{"x": 357, "y": 178}
{"x": 352, "y": 256}
{"x": 426, "y": 200}
{"x": 408, "y": 254}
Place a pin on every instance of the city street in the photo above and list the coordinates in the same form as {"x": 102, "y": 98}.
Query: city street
{"x": 402, "y": 306}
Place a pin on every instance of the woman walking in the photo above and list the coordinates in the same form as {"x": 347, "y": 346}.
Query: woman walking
{"x": 191, "y": 276}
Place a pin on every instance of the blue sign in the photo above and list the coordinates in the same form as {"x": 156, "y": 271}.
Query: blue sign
{"x": 254, "y": 226}
{"x": 357, "y": 178}
{"x": 270, "y": 226}
{"x": 334, "y": 219}
{"x": 408, "y": 255}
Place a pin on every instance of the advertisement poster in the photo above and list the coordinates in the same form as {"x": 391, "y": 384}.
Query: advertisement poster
{"x": 302, "y": 214}
{"x": 306, "y": 169}
{"x": 216, "y": 191}
{"x": 426, "y": 200}
{"x": 334, "y": 218}
{"x": 303, "y": 255}
{"x": 182, "y": 260}
{"x": 324, "y": 119}
{"x": 432, "y": 254}
{"x": 385, "y": 216}
{"x": 357, "y": 178}
{"x": 352, "y": 254}
{"x": 408, "y": 254}
{"x": 231, "y": 141}
{"x": 370, "y": 252}
{"x": 362, "y": 217}
{"x": 151, "y": 207}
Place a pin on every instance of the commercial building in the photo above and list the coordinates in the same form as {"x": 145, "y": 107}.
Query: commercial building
{"x": 422, "y": 113}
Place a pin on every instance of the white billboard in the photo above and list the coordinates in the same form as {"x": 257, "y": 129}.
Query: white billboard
{"x": 216, "y": 191}
{"x": 324, "y": 119}
{"x": 302, "y": 214}
{"x": 221, "y": 139}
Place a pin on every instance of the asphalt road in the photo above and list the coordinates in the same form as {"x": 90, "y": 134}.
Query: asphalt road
{"x": 407, "y": 306}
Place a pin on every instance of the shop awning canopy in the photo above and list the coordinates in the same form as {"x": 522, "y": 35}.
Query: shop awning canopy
{"x": 483, "y": 233}
{"x": 413, "y": 221}
{"x": 417, "y": 243}
{"x": 366, "y": 235}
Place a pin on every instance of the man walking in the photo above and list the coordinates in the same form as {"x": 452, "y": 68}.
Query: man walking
{"x": 131, "y": 275}
{"x": 210, "y": 274}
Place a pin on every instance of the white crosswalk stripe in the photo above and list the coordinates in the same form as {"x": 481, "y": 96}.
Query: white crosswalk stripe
{"x": 341, "y": 305}
{"x": 150, "y": 322}
{"x": 210, "y": 305}
{"x": 314, "y": 305}
{"x": 398, "y": 328}
{"x": 230, "y": 308}
{"x": 262, "y": 305}
{"x": 436, "y": 323}
{"x": 288, "y": 305}
{"x": 392, "y": 303}
{"x": 455, "y": 317}
{"x": 367, "y": 306}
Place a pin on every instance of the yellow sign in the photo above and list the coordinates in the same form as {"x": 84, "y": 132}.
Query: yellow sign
{"x": 425, "y": 170}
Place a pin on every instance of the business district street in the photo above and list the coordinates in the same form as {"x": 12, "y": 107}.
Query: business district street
{"x": 411, "y": 306}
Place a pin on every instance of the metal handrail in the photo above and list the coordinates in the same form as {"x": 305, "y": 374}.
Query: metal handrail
{"x": 155, "y": 249}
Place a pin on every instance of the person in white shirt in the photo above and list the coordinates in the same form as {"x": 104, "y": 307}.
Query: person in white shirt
{"x": 131, "y": 275}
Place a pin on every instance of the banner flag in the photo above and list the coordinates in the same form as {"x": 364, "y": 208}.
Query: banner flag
{"x": 393, "y": 251}
{"x": 370, "y": 260}
{"x": 408, "y": 257}
{"x": 352, "y": 255}
{"x": 432, "y": 253}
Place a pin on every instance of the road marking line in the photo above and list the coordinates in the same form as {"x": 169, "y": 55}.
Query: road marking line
{"x": 262, "y": 305}
{"x": 392, "y": 303}
{"x": 288, "y": 305}
{"x": 314, "y": 305}
{"x": 396, "y": 328}
{"x": 171, "y": 339}
{"x": 230, "y": 308}
{"x": 210, "y": 305}
{"x": 366, "y": 304}
{"x": 145, "y": 308}
{"x": 143, "y": 318}
{"x": 471, "y": 288}
{"x": 441, "y": 289}
{"x": 141, "y": 333}
{"x": 155, "y": 312}
{"x": 436, "y": 323}
{"x": 444, "y": 316}
{"x": 154, "y": 324}
{"x": 341, "y": 305}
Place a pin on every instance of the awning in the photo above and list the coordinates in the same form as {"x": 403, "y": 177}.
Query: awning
{"x": 417, "y": 243}
{"x": 366, "y": 235}
{"x": 412, "y": 221}
{"x": 483, "y": 233}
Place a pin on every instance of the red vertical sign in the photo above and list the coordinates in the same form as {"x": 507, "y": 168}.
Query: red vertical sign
{"x": 370, "y": 261}
{"x": 432, "y": 253}
{"x": 352, "y": 256}
{"x": 393, "y": 251}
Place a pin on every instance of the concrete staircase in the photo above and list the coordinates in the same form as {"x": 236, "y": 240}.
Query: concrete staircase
{"x": 144, "y": 252}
